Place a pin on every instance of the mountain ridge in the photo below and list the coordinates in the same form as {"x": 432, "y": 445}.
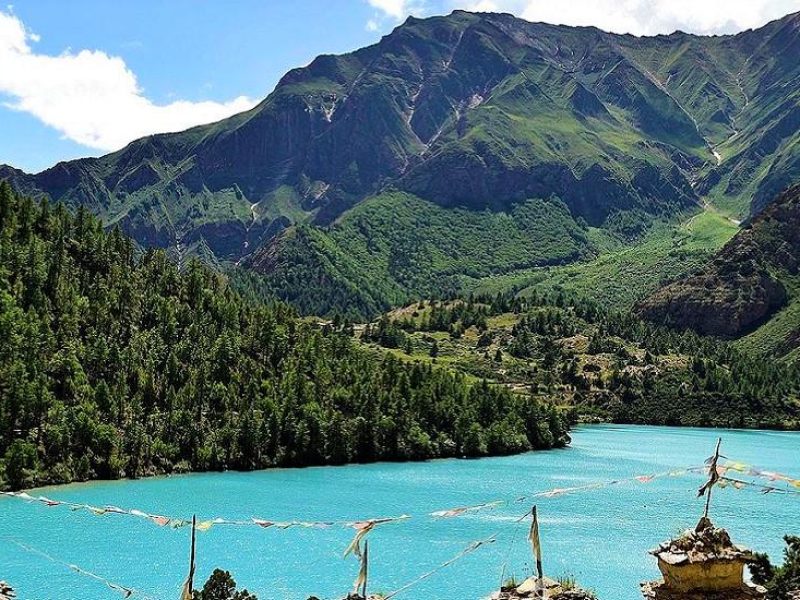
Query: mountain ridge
{"x": 474, "y": 111}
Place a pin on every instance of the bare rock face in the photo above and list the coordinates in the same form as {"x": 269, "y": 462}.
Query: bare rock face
{"x": 742, "y": 285}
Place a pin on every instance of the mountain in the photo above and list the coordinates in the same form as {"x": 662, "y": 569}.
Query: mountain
{"x": 483, "y": 113}
{"x": 750, "y": 288}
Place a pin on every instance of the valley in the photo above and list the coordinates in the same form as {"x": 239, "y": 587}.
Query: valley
{"x": 469, "y": 265}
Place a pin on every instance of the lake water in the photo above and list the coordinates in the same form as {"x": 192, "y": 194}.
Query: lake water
{"x": 599, "y": 536}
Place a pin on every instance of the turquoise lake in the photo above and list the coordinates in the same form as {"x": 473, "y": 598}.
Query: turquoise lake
{"x": 600, "y": 536}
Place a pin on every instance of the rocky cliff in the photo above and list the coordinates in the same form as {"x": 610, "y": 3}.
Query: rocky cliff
{"x": 745, "y": 284}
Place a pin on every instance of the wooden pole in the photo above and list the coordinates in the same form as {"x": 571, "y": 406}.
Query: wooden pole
{"x": 191, "y": 555}
{"x": 188, "y": 585}
{"x": 713, "y": 475}
{"x": 536, "y": 546}
{"x": 539, "y": 570}
{"x": 366, "y": 569}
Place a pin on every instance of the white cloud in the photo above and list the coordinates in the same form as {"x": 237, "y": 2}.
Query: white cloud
{"x": 649, "y": 17}
{"x": 91, "y": 97}
{"x": 396, "y": 9}
{"x": 391, "y": 12}
{"x": 640, "y": 17}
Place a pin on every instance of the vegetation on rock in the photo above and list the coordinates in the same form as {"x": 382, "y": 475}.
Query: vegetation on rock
{"x": 221, "y": 586}
{"x": 782, "y": 582}
{"x": 753, "y": 280}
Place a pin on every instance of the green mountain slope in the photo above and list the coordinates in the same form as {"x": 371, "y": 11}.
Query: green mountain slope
{"x": 624, "y": 273}
{"x": 396, "y": 246}
{"x": 748, "y": 289}
{"x": 476, "y": 112}
{"x": 468, "y": 109}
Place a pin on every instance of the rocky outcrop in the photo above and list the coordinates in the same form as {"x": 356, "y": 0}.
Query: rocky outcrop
{"x": 728, "y": 298}
{"x": 742, "y": 286}
{"x": 533, "y": 587}
{"x": 702, "y": 564}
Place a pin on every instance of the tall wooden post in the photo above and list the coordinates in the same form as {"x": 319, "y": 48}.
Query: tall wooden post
{"x": 536, "y": 546}
{"x": 713, "y": 477}
{"x": 188, "y": 587}
{"x": 366, "y": 569}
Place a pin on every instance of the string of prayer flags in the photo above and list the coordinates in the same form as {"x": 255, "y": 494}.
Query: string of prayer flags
{"x": 457, "y": 512}
{"x": 468, "y": 550}
{"x": 740, "y": 484}
{"x": 176, "y": 523}
{"x": 461, "y": 510}
{"x": 126, "y": 592}
{"x": 266, "y": 524}
{"x": 751, "y": 471}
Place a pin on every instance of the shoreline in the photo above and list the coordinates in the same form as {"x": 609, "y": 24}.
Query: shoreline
{"x": 620, "y": 427}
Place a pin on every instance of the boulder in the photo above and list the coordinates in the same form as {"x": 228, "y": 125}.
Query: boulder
{"x": 553, "y": 591}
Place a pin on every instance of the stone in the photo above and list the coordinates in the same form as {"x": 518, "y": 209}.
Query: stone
{"x": 703, "y": 563}
{"x": 553, "y": 591}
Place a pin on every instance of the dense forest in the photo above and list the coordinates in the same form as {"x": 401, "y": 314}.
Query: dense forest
{"x": 115, "y": 363}
{"x": 605, "y": 364}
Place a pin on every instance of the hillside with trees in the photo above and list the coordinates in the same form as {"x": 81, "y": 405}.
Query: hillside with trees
{"x": 604, "y": 365}
{"x": 114, "y": 363}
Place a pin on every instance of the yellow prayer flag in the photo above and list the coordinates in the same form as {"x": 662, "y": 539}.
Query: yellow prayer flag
{"x": 204, "y": 525}
{"x": 186, "y": 593}
{"x": 533, "y": 536}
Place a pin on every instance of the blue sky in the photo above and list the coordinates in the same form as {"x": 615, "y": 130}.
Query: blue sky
{"x": 85, "y": 77}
